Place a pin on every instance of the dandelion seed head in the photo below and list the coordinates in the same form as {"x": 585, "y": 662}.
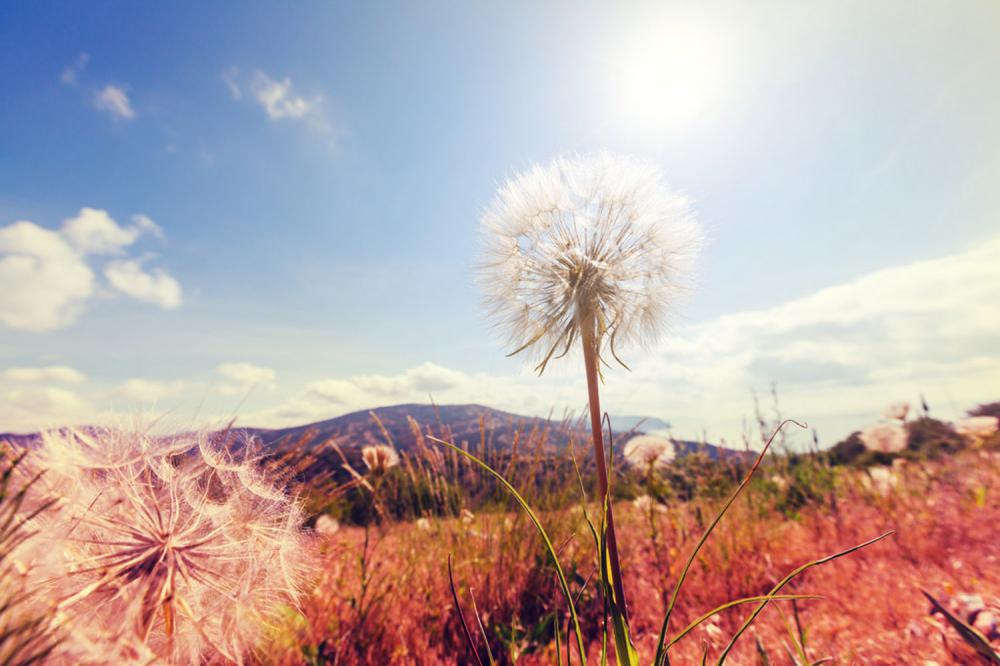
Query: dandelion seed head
{"x": 881, "y": 480}
{"x": 379, "y": 458}
{"x": 160, "y": 550}
{"x": 896, "y": 411}
{"x": 649, "y": 451}
{"x": 977, "y": 427}
{"x": 327, "y": 525}
{"x": 885, "y": 437}
{"x": 596, "y": 239}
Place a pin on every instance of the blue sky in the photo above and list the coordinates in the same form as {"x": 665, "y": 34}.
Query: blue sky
{"x": 316, "y": 171}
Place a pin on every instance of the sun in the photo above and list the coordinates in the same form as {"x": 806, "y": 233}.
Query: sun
{"x": 670, "y": 73}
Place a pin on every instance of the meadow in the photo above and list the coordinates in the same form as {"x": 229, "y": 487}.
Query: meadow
{"x": 384, "y": 594}
{"x": 404, "y": 547}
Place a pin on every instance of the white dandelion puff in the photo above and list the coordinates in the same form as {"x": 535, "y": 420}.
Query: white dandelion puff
{"x": 977, "y": 427}
{"x": 649, "y": 451}
{"x": 897, "y": 411}
{"x": 885, "y": 437}
{"x": 158, "y": 550}
{"x": 597, "y": 241}
{"x": 647, "y": 504}
{"x": 379, "y": 458}
{"x": 327, "y": 525}
{"x": 880, "y": 480}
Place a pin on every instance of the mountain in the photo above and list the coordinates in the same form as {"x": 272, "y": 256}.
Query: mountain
{"x": 647, "y": 424}
{"x": 461, "y": 423}
{"x": 471, "y": 424}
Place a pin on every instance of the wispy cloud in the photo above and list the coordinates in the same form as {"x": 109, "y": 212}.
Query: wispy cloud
{"x": 278, "y": 98}
{"x": 70, "y": 74}
{"x": 49, "y": 373}
{"x": 241, "y": 378}
{"x": 231, "y": 77}
{"x": 114, "y": 100}
{"x": 148, "y": 391}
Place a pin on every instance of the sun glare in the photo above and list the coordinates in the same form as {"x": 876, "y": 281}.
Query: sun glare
{"x": 669, "y": 74}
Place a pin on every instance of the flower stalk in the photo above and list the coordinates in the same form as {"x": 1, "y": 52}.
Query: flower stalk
{"x": 590, "y": 360}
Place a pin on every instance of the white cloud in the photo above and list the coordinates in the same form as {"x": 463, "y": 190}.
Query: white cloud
{"x": 93, "y": 231}
{"x": 115, "y": 101}
{"x": 44, "y": 282}
{"x": 72, "y": 71}
{"x": 45, "y": 279}
{"x": 147, "y": 391}
{"x": 157, "y": 287}
{"x": 54, "y": 373}
{"x": 30, "y": 409}
{"x": 242, "y": 377}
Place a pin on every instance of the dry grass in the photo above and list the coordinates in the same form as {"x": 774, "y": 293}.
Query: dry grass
{"x": 388, "y": 602}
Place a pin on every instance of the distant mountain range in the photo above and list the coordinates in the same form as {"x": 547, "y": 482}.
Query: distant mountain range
{"x": 471, "y": 424}
{"x": 461, "y": 423}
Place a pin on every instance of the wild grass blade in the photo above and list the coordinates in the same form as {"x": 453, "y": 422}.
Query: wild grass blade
{"x": 461, "y": 615}
{"x": 661, "y": 650}
{"x": 968, "y": 633}
{"x": 541, "y": 531}
{"x": 736, "y": 602}
{"x": 784, "y": 581}
{"x": 482, "y": 629}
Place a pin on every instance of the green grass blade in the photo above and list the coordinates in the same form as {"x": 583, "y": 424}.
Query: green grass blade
{"x": 746, "y": 600}
{"x": 784, "y": 581}
{"x": 541, "y": 531}
{"x": 661, "y": 649}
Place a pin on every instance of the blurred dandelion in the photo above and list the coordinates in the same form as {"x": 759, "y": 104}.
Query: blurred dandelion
{"x": 780, "y": 481}
{"x": 881, "y": 480}
{"x": 884, "y": 437}
{"x": 173, "y": 550}
{"x": 379, "y": 458}
{"x": 327, "y": 525}
{"x": 896, "y": 411}
{"x": 423, "y": 525}
{"x": 596, "y": 250}
{"x": 977, "y": 427}
{"x": 649, "y": 451}
{"x": 646, "y": 504}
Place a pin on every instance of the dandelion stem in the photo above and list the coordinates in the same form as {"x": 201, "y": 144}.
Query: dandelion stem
{"x": 589, "y": 340}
